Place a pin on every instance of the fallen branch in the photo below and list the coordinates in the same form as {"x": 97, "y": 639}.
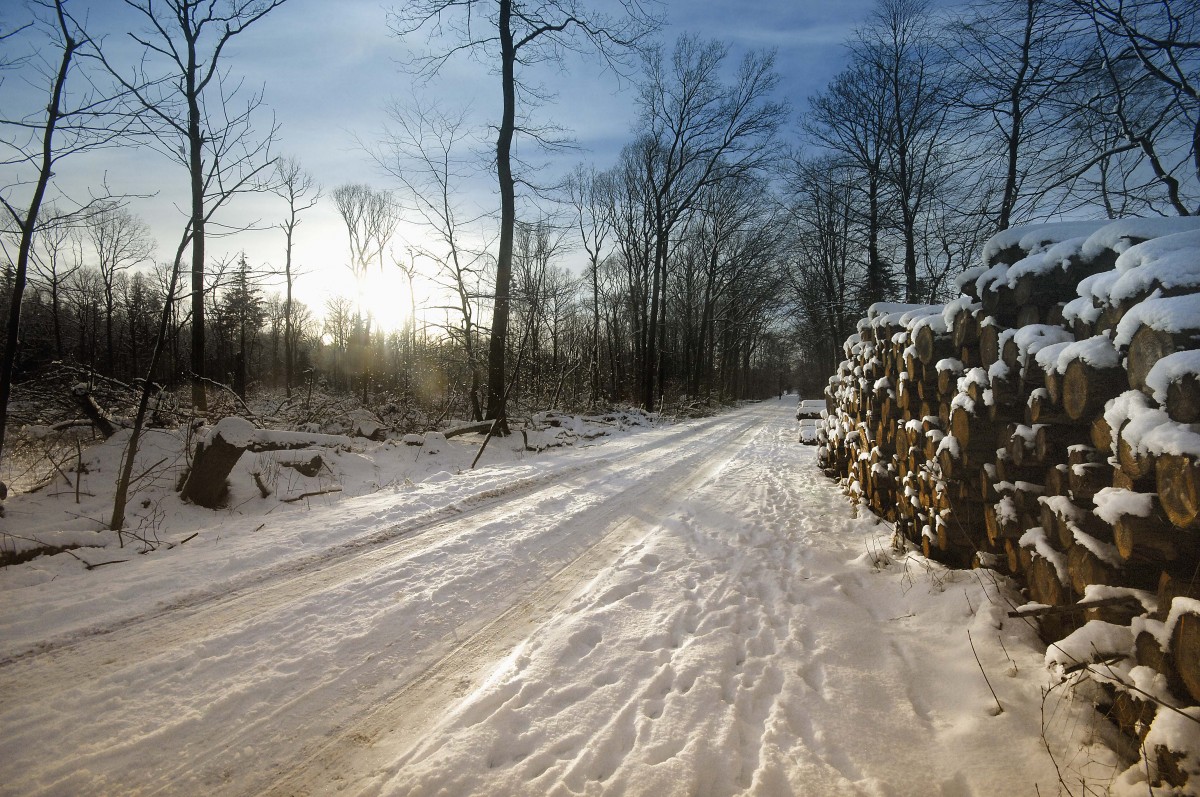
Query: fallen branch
{"x": 1073, "y": 608}
{"x": 482, "y": 426}
{"x": 246, "y": 411}
{"x": 74, "y": 423}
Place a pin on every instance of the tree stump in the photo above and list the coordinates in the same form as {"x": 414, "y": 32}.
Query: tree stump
{"x": 207, "y": 483}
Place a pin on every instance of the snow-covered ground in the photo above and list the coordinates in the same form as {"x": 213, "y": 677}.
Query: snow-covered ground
{"x": 684, "y": 610}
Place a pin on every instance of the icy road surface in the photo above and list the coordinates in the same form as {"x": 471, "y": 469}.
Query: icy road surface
{"x": 690, "y": 610}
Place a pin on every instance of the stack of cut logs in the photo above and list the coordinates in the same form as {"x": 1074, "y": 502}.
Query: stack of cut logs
{"x": 1045, "y": 424}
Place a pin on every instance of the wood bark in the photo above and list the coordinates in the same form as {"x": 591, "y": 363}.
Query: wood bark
{"x": 1185, "y": 652}
{"x": 207, "y": 482}
{"x": 1045, "y": 587}
{"x": 966, "y": 328}
{"x": 1153, "y": 539}
{"x": 1183, "y": 399}
{"x": 1149, "y": 345}
{"x": 1178, "y": 481}
{"x": 1084, "y": 481}
{"x": 89, "y": 407}
{"x": 989, "y": 345}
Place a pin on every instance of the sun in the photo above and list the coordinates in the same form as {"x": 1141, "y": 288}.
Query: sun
{"x": 391, "y": 300}
{"x": 387, "y": 296}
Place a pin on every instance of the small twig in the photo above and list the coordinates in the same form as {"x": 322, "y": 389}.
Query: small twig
{"x": 138, "y": 478}
{"x": 999, "y": 708}
{"x": 102, "y": 564}
{"x": 1000, "y": 639}
{"x": 302, "y": 496}
{"x": 58, "y": 467}
{"x": 78, "y": 469}
{"x": 249, "y": 413}
{"x": 1112, "y": 675}
{"x": 192, "y": 537}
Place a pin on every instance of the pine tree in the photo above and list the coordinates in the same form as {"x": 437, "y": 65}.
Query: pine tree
{"x": 242, "y": 315}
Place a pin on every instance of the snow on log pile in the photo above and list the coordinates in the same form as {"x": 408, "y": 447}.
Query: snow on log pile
{"x": 1047, "y": 424}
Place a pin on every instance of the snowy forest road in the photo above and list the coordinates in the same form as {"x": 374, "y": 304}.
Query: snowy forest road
{"x": 281, "y": 676}
{"x": 685, "y": 610}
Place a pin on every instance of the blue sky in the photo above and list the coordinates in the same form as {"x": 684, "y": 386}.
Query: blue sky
{"x": 330, "y": 68}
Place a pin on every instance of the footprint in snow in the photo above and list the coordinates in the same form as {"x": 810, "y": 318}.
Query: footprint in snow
{"x": 616, "y": 593}
{"x": 582, "y": 642}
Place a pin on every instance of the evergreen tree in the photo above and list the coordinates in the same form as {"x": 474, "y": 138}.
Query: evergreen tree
{"x": 242, "y": 315}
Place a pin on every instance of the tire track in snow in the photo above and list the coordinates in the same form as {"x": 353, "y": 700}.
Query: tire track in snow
{"x": 715, "y": 613}
{"x": 473, "y": 505}
{"x": 710, "y": 625}
{"x": 176, "y": 641}
{"x": 416, "y": 708}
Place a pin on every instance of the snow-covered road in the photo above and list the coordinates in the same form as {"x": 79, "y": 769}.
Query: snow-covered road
{"x": 686, "y": 611}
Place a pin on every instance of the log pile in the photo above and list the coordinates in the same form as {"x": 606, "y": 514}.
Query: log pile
{"x": 1046, "y": 424}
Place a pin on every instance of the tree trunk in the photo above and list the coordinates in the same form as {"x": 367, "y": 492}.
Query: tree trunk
{"x": 13, "y": 329}
{"x": 196, "y": 169}
{"x": 498, "y": 346}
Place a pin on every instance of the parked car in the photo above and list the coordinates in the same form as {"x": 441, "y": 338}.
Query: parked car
{"x": 810, "y": 408}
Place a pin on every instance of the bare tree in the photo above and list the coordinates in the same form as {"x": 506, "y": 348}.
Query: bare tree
{"x": 189, "y": 108}
{"x": 422, "y": 150}
{"x": 56, "y": 255}
{"x": 120, "y": 241}
{"x": 699, "y": 130}
{"x": 827, "y": 258}
{"x": 301, "y": 192}
{"x": 1150, "y": 61}
{"x": 850, "y": 120}
{"x": 33, "y": 145}
{"x": 1014, "y": 60}
{"x": 898, "y": 47}
{"x": 371, "y": 217}
{"x": 523, "y": 32}
{"x": 588, "y": 192}
{"x": 121, "y": 493}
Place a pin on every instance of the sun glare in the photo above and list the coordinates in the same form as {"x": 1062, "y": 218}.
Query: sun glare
{"x": 385, "y": 294}
{"x": 390, "y": 300}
